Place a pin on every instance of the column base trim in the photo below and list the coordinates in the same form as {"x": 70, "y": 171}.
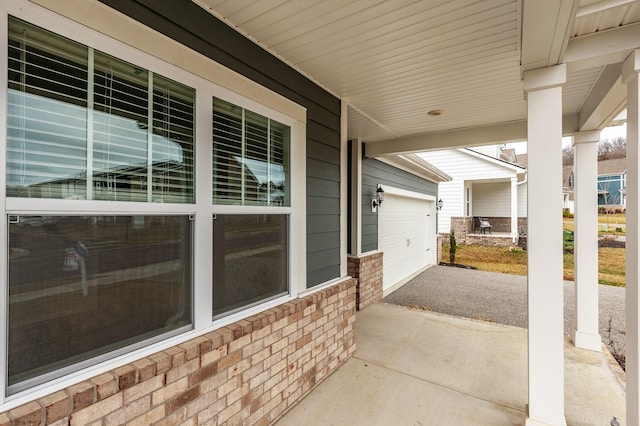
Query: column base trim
{"x": 589, "y": 341}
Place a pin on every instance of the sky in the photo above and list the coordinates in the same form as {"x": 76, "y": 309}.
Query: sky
{"x": 607, "y": 133}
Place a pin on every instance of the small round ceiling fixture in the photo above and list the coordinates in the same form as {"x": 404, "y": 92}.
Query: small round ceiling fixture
{"x": 435, "y": 112}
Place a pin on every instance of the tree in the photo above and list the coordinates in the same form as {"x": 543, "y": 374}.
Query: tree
{"x": 567, "y": 155}
{"x": 612, "y": 148}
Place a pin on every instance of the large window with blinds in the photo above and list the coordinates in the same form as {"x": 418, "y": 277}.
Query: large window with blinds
{"x": 132, "y": 251}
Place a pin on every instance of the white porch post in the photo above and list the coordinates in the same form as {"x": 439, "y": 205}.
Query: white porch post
{"x": 586, "y": 334}
{"x": 630, "y": 78}
{"x": 514, "y": 210}
{"x": 544, "y": 245}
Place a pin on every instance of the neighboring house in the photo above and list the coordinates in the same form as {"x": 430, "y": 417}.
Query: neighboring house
{"x": 403, "y": 227}
{"x": 483, "y": 184}
{"x": 612, "y": 183}
{"x": 568, "y": 182}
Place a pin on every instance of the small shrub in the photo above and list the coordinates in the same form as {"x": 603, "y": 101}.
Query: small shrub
{"x": 452, "y": 246}
{"x": 567, "y": 240}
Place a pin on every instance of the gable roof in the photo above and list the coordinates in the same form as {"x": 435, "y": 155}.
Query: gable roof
{"x": 515, "y": 167}
{"x": 523, "y": 159}
{"x": 612, "y": 166}
{"x": 508, "y": 155}
{"x": 416, "y": 165}
{"x": 605, "y": 167}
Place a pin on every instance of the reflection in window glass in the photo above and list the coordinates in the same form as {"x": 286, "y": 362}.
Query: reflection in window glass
{"x": 173, "y": 135}
{"x": 52, "y": 108}
{"x": 250, "y": 158}
{"x": 46, "y": 115}
{"x": 102, "y": 283}
{"x": 250, "y": 260}
{"x": 120, "y": 123}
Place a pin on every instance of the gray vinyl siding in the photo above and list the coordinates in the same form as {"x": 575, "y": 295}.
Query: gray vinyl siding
{"x": 187, "y": 23}
{"x": 376, "y": 173}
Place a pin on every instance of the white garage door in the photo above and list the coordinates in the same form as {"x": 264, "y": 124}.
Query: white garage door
{"x": 406, "y": 235}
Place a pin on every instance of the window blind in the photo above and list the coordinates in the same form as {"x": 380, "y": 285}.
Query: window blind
{"x": 46, "y": 114}
{"x": 173, "y": 137}
{"x": 250, "y": 157}
{"x": 85, "y": 125}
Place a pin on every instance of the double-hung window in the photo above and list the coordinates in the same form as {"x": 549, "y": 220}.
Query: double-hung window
{"x": 93, "y": 279}
{"x": 251, "y": 196}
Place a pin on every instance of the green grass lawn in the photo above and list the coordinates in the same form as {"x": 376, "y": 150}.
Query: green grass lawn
{"x": 611, "y": 261}
{"x": 614, "y": 223}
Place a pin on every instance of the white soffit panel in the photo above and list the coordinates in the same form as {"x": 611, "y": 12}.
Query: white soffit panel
{"x": 394, "y": 61}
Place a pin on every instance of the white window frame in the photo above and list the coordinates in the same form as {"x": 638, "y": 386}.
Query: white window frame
{"x": 238, "y": 90}
{"x": 467, "y": 200}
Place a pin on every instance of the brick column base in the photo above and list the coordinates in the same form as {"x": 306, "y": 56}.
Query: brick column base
{"x": 367, "y": 270}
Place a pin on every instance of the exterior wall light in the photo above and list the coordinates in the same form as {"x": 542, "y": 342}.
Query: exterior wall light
{"x": 377, "y": 202}
{"x": 440, "y": 203}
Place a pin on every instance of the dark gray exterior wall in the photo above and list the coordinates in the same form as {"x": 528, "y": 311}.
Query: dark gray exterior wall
{"x": 187, "y": 23}
{"x": 376, "y": 173}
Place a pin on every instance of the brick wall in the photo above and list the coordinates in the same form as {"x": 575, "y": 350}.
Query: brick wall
{"x": 500, "y": 224}
{"x": 503, "y": 224}
{"x": 522, "y": 225}
{"x": 367, "y": 270}
{"x": 489, "y": 240}
{"x": 250, "y": 372}
{"x": 461, "y": 226}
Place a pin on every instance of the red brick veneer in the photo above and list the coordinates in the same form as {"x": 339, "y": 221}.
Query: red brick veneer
{"x": 251, "y": 371}
{"x": 367, "y": 270}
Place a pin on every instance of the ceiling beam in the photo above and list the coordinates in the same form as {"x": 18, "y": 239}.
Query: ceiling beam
{"x": 602, "y": 48}
{"x": 607, "y": 98}
{"x": 513, "y": 131}
{"x": 546, "y": 26}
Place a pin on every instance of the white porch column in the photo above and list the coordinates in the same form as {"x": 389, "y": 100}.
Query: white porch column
{"x": 514, "y": 210}
{"x": 543, "y": 88}
{"x": 630, "y": 78}
{"x": 586, "y": 334}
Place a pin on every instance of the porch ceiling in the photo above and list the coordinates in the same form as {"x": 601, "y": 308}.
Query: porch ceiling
{"x": 394, "y": 61}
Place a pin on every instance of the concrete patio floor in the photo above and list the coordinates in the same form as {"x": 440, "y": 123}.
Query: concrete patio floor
{"x": 414, "y": 367}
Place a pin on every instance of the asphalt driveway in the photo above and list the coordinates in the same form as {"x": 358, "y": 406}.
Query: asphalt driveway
{"x": 502, "y": 299}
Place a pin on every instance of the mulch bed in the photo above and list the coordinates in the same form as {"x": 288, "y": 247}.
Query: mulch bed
{"x": 608, "y": 242}
{"x": 457, "y": 265}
